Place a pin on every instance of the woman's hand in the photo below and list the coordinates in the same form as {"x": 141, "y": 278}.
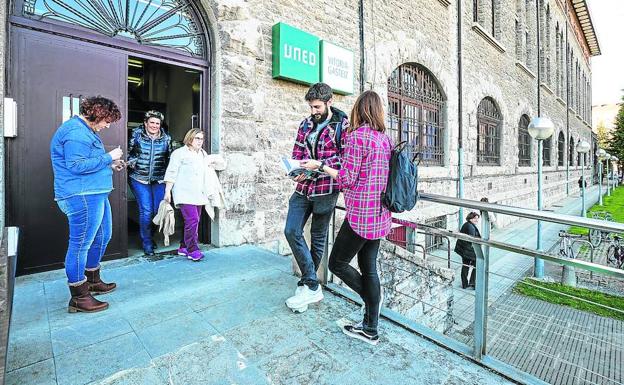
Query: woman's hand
{"x": 310, "y": 164}
{"x": 118, "y": 165}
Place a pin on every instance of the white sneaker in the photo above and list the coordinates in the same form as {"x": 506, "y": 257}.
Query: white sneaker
{"x": 297, "y": 291}
{"x": 304, "y": 297}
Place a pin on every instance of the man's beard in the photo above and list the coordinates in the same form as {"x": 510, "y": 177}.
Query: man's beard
{"x": 320, "y": 118}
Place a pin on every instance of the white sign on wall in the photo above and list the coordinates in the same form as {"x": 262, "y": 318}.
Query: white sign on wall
{"x": 337, "y": 67}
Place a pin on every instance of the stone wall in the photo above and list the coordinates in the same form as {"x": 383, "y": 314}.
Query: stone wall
{"x": 254, "y": 117}
{"x": 259, "y": 116}
{"x": 415, "y": 288}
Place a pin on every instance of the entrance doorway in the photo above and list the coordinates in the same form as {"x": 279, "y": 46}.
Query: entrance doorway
{"x": 141, "y": 54}
{"x": 175, "y": 91}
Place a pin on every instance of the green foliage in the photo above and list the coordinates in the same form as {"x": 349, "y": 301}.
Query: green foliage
{"x": 527, "y": 288}
{"x": 603, "y": 135}
{"x": 613, "y": 204}
{"x": 616, "y": 142}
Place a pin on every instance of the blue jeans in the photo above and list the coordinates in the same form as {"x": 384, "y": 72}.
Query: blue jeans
{"x": 90, "y": 230}
{"x": 299, "y": 210}
{"x": 148, "y": 198}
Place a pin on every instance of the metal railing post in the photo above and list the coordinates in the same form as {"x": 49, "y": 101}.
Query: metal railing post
{"x": 481, "y": 288}
{"x": 328, "y": 247}
{"x": 600, "y": 182}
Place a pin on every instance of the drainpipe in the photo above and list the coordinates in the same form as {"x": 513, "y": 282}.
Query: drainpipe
{"x": 362, "y": 58}
{"x": 460, "y": 120}
{"x": 567, "y": 102}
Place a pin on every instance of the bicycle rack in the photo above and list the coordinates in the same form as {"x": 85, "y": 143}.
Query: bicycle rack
{"x": 591, "y": 252}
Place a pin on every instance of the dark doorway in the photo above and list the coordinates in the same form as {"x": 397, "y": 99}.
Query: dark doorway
{"x": 52, "y": 74}
{"x": 174, "y": 91}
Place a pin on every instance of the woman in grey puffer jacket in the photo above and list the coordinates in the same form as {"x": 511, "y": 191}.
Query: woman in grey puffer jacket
{"x": 149, "y": 149}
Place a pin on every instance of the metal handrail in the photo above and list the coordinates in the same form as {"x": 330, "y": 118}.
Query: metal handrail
{"x": 479, "y": 349}
{"x": 533, "y": 253}
{"x": 546, "y": 216}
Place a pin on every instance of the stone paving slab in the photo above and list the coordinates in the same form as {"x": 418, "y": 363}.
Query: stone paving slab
{"x": 220, "y": 321}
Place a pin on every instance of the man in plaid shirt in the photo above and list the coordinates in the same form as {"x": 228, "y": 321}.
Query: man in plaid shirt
{"x": 320, "y": 136}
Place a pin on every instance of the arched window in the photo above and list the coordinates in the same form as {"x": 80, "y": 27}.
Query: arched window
{"x": 171, "y": 24}
{"x": 524, "y": 142}
{"x": 415, "y": 112}
{"x": 546, "y": 151}
{"x": 571, "y": 152}
{"x": 561, "y": 149}
{"x": 489, "y": 122}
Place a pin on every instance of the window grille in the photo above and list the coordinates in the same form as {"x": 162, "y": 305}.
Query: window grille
{"x": 489, "y": 121}
{"x": 546, "y": 151}
{"x": 416, "y": 112}
{"x": 561, "y": 149}
{"x": 524, "y": 142}
{"x": 172, "y": 23}
{"x": 571, "y": 152}
{"x": 433, "y": 242}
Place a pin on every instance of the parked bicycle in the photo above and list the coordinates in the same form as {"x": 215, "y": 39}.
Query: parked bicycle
{"x": 566, "y": 242}
{"x": 615, "y": 253}
{"x": 596, "y": 236}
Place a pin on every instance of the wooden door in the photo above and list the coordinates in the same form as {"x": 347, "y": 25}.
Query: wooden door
{"x": 48, "y": 75}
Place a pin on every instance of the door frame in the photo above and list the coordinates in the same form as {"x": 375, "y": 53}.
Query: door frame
{"x": 128, "y": 48}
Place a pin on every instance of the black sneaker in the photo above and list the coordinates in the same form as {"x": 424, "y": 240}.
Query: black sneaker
{"x": 357, "y": 331}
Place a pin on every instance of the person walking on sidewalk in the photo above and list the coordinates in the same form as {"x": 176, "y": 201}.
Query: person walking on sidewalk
{"x": 363, "y": 178}
{"x": 318, "y": 137}
{"x": 149, "y": 149}
{"x": 83, "y": 179}
{"x": 466, "y": 251}
{"x": 187, "y": 180}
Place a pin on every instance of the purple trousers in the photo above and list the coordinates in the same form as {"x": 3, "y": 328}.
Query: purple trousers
{"x": 191, "y": 215}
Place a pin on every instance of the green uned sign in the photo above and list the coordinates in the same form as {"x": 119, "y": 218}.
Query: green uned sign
{"x": 295, "y": 54}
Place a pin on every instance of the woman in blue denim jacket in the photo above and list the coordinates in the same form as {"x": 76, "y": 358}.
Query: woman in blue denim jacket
{"x": 83, "y": 178}
{"x": 149, "y": 149}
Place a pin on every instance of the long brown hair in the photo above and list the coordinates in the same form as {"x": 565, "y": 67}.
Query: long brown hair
{"x": 368, "y": 110}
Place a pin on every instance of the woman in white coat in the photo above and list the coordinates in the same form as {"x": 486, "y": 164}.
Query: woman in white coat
{"x": 191, "y": 179}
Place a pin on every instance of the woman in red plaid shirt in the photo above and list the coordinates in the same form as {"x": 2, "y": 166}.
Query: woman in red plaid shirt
{"x": 362, "y": 178}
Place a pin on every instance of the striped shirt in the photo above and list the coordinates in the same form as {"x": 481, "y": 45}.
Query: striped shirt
{"x": 363, "y": 177}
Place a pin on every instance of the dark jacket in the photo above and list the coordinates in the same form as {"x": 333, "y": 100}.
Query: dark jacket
{"x": 464, "y": 248}
{"x": 151, "y": 155}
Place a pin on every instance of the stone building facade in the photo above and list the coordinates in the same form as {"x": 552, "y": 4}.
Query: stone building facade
{"x": 253, "y": 117}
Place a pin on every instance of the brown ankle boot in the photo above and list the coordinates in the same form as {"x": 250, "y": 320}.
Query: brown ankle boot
{"x": 96, "y": 285}
{"x": 83, "y": 301}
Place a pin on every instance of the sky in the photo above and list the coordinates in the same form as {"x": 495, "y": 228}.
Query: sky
{"x": 608, "y": 68}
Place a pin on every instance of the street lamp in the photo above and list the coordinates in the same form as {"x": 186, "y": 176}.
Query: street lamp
{"x": 607, "y": 158}
{"x": 583, "y": 148}
{"x": 601, "y": 154}
{"x": 540, "y": 128}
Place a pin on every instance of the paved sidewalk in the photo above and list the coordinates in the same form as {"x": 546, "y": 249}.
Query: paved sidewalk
{"x": 219, "y": 321}
{"x": 508, "y": 268}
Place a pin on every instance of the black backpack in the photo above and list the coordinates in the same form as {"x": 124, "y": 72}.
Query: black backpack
{"x": 401, "y": 191}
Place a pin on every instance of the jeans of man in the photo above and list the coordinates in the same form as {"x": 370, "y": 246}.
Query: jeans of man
{"x": 90, "y": 230}
{"x": 148, "y": 198}
{"x": 191, "y": 215}
{"x": 299, "y": 210}
{"x": 346, "y": 245}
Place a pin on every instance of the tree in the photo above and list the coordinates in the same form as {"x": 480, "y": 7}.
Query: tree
{"x": 616, "y": 142}
{"x": 603, "y": 135}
